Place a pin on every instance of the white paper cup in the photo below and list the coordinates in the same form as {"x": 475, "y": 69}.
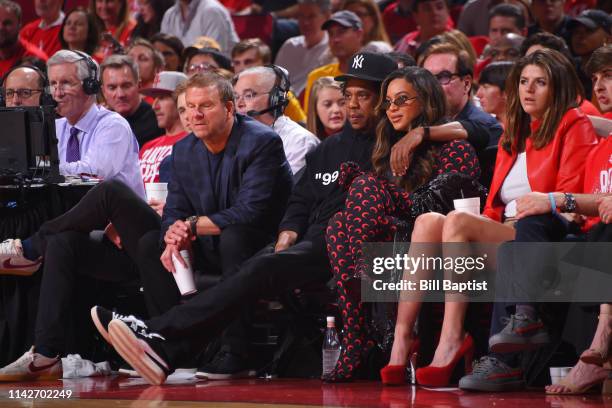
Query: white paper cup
{"x": 157, "y": 191}
{"x": 184, "y": 276}
{"x": 557, "y": 374}
{"x": 469, "y": 205}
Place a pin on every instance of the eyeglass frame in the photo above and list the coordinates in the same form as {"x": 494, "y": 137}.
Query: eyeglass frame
{"x": 447, "y": 74}
{"x": 20, "y": 92}
{"x": 200, "y": 67}
{"x": 386, "y": 103}
{"x": 253, "y": 95}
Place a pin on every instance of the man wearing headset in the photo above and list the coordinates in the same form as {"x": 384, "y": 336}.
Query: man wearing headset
{"x": 23, "y": 86}
{"x": 92, "y": 139}
{"x": 261, "y": 92}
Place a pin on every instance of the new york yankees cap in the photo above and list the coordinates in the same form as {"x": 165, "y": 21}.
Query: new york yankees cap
{"x": 369, "y": 66}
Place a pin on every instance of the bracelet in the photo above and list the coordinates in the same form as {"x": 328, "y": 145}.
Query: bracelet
{"x": 553, "y": 204}
{"x": 426, "y": 134}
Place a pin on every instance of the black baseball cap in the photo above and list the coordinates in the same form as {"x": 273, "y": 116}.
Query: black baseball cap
{"x": 592, "y": 19}
{"x": 223, "y": 61}
{"x": 345, "y": 18}
{"x": 369, "y": 66}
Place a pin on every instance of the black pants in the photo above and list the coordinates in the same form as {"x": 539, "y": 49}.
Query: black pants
{"x": 69, "y": 250}
{"x": 235, "y": 245}
{"x": 266, "y": 274}
{"x": 537, "y": 228}
{"x": 524, "y": 272}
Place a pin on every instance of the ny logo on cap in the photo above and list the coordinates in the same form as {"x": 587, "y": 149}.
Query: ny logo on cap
{"x": 156, "y": 81}
{"x": 357, "y": 62}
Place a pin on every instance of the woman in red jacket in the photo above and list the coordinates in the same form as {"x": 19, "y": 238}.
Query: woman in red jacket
{"x": 544, "y": 148}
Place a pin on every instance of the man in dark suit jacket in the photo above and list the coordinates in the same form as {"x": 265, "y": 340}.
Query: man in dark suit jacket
{"x": 230, "y": 177}
{"x": 228, "y": 191}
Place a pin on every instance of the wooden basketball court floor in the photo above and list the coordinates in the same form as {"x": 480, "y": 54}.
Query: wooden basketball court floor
{"x": 110, "y": 392}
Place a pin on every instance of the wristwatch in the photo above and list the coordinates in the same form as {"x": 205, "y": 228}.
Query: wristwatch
{"x": 570, "y": 202}
{"x": 193, "y": 224}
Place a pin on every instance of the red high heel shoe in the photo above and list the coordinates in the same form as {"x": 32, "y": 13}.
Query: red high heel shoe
{"x": 396, "y": 374}
{"x": 440, "y": 376}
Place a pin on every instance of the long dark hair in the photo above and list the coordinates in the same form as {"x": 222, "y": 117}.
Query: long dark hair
{"x": 93, "y": 34}
{"x": 433, "y": 104}
{"x": 148, "y": 30}
{"x": 566, "y": 92}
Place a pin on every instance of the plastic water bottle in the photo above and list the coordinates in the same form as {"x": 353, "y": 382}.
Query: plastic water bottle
{"x": 331, "y": 346}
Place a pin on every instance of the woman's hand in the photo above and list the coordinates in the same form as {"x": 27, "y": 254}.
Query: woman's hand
{"x": 534, "y": 204}
{"x": 401, "y": 152}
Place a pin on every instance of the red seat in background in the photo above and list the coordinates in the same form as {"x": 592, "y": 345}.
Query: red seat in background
{"x": 479, "y": 42}
{"x": 255, "y": 26}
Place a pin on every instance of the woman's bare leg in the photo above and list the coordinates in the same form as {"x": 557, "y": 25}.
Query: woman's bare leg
{"x": 463, "y": 227}
{"x": 427, "y": 229}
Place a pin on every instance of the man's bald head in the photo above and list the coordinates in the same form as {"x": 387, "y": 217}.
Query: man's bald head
{"x": 19, "y": 83}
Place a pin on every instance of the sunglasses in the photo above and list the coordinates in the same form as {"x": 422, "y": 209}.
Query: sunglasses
{"x": 400, "y": 101}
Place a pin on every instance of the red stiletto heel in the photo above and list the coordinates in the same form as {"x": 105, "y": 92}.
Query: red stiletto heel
{"x": 440, "y": 376}
{"x": 396, "y": 374}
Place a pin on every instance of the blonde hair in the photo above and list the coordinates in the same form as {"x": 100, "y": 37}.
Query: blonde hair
{"x": 378, "y": 32}
{"x": 313, "y": 122}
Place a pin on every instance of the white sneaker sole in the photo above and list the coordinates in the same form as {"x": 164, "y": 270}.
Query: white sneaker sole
{"x": 99, "y": 326}
{"x": 234, "y": 376}
{"x": 138, "y": 354}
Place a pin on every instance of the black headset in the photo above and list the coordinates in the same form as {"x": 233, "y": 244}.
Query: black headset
{"x": 91, "y": 84}
{"x": 277, "y": 98}
{"x": 46, "y": 99}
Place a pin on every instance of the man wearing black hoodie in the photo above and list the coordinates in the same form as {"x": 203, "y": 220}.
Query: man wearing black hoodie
{"x": 299, "y": 256}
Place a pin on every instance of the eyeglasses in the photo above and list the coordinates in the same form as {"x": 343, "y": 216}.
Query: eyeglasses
{"x": 249, "y": 95}
{"x": 22, "y": 93}
{"x": 445, "y": 77}
{"x": 200, "y": 68}
{"x": 400, "y": 101}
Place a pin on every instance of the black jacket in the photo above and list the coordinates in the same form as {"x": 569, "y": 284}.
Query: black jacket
{"x": 317, "y": 196}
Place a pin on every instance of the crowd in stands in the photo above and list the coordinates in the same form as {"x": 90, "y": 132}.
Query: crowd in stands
{"x": 284, "y": 155}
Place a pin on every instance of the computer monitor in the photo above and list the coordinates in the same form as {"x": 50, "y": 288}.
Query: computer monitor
{"x": 28, "y": 144}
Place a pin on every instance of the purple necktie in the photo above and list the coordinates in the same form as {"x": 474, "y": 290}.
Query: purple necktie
{"x": 72, "y": 150}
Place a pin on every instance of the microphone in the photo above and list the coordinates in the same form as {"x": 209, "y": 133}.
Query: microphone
{"x": 254, "y": 113}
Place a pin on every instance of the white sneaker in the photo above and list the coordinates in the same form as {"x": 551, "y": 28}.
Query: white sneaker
{"x": 32, "y": 366}
{"x": 12, "y": 261}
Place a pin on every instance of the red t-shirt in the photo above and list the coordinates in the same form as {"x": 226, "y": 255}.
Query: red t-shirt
{"x": 234, "y": 6}
{"x": 25, "y": 49}
{"x": 46, "y": 39}
{"x": 152, "y": 154}
{"x": 598, "y": 173}
{"x": 399, "y": 24}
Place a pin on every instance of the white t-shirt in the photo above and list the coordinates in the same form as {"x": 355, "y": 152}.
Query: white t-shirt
{"x": 297, "y": 141}
{"x": 204, "y": 17}
{"x": 299, "y": 60}
{"x": 515, "y": 185}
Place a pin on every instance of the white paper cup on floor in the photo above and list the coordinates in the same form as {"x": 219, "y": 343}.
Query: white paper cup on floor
{"x": 157, "y": 191}
{"x": 469, "y": 205}
{"x": 557, "y": 374}
{"x": 184, "y": 275}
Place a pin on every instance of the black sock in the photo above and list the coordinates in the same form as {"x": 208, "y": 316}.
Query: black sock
{"x": 29, "y": 251}
{"x": 46, "y": 351}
